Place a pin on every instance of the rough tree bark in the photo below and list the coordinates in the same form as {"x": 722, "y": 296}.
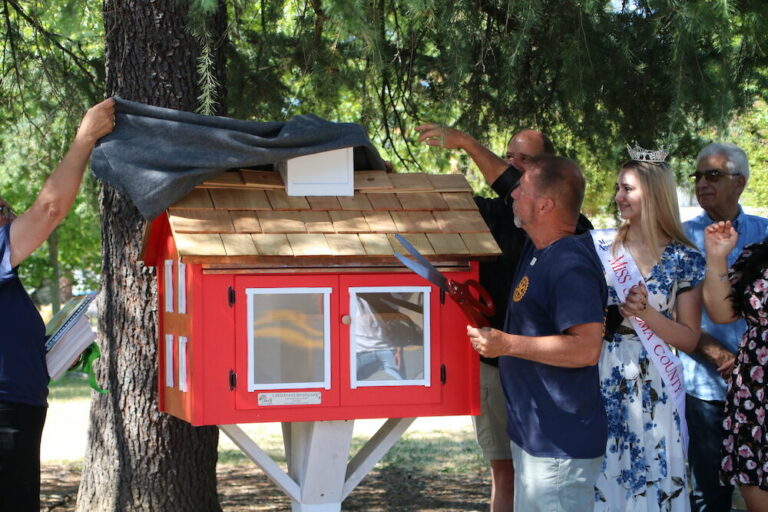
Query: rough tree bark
{"x": 137, "y": 457}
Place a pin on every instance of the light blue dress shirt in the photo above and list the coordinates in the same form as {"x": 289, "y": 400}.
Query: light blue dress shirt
{"x": 701, "y": 377}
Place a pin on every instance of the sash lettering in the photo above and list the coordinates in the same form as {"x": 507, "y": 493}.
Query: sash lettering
{"x": 623, "y": 272}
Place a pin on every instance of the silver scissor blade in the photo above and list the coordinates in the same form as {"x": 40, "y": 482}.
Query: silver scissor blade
{"x": 426, "y": 269}
{"x": 411, "y": 249}
{"x": 427, "y": 273}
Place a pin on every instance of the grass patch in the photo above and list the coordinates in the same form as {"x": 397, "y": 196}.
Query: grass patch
{"x": 237, "y": 458}
{"x": 70, "y": 387}
{"x": 64, "y": 464}
{"x": 447, "y": 453}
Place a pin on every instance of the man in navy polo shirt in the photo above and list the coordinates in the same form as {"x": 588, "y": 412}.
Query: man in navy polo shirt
{"x": 551, "y": 344}
{"x": 496, "y": 277}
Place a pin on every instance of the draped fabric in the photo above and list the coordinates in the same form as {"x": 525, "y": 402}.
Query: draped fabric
{"x": 156, "y": 156}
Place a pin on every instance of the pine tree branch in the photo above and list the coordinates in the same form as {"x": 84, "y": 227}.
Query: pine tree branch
{"x": 502, "y": 17}
{"x": 48, "y": 36}
{"x": 16, "y": 71}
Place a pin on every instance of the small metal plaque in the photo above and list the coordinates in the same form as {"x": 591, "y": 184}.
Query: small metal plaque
{"x": 300, "y": 398}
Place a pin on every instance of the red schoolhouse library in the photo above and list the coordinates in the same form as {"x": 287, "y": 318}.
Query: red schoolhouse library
{"x": 280, "y": 305}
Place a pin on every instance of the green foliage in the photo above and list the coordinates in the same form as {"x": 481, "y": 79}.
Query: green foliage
{"x": 594, "y": 74}
{"x": 208, "y": 82}
{"x": 201, "y": 18}
{"x": 51, "y": 68}
{"x": 30, "y": 154}
{"x": 69, "y": 388}
{"x": 750, "y": 132}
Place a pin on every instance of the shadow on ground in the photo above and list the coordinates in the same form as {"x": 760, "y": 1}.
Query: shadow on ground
{"x": 440, "y": 474}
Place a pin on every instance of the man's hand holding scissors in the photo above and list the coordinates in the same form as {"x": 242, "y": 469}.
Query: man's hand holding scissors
{"x": 487, "y": 342}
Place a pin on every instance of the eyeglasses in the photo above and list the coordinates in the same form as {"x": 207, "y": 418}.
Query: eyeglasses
{"x": 711, "y": 175}
{"x": 6, "y": 211}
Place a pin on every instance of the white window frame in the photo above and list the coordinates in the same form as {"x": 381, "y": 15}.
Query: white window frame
{"x": 426, "y": 381}
{"x": 182, "y": 288}
{"x": 168, "y": 282}
{"x": 183, "y": 363}
{"x": 169, "y": 360}
{"x": 326, "y": 382}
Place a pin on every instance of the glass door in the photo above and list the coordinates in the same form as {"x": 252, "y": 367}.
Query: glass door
{"x": 285, "y": 333}
{"x": 389, "y": 343}
{"x": 389, "y": 336}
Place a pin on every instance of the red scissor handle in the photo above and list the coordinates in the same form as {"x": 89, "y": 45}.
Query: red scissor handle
{"x": 477, "y": 309}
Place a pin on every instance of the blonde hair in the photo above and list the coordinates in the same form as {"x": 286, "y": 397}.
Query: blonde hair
{"x": 660, "y": 214}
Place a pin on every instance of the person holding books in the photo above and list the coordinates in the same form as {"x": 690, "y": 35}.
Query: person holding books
{"x": 23, "y": 372}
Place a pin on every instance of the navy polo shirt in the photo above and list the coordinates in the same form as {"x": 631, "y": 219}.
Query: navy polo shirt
{"x": 554, "y": 411}
{"x": 23, "y": 371}
{"x": 496, "y": 275}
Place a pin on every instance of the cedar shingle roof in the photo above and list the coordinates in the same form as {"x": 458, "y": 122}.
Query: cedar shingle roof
{"x": 246, "y": 216}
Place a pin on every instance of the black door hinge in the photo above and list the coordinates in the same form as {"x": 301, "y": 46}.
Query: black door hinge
{"x": 442, "y": 373}
{"x": 231, "y": 294}
{"x": 232, "y": 380}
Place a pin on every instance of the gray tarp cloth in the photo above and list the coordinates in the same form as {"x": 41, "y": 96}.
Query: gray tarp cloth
{"x": 156, "y": 156}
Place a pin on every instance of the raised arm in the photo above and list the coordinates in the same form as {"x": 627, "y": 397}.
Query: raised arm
{"x": 719, "y": 240}
{"x": 491, "y": 165}
{"x": 31, "y": 228}
{"x": 577, "y": 347}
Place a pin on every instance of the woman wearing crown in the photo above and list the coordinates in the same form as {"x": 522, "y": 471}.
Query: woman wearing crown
{"x": 654, "y": 274}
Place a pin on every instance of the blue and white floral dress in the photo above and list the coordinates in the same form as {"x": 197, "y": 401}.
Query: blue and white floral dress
{"x": 644, "y": 464}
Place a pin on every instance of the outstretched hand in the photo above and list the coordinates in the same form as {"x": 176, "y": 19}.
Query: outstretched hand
{"x": 434, "y": 134}
{"x": 720, "y": 238}
{"x": 97, "y": 122}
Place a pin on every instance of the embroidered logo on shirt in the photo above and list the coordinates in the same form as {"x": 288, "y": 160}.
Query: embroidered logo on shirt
{"x": 522, "y": 287}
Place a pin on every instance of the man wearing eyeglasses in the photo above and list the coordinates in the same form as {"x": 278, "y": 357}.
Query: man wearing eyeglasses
{"x": 721, "y": 175}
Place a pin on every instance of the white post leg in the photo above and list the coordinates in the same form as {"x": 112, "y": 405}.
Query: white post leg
{"x": 317, "y": 453}
{"x": 319, "y": 475}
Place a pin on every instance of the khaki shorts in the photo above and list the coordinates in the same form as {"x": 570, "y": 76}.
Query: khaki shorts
{"x": 545, "y": 484}
{"x": 491, "y": 425}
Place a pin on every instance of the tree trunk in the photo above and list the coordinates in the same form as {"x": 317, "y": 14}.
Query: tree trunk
{"x": 137, "y": 457}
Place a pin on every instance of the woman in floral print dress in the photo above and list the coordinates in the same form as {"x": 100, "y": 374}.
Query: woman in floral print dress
{"x": 644, "y": 464}
{"x": 742, "y": 292}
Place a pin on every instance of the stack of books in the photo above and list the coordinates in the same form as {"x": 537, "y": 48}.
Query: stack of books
{"x": 68, "y": 334}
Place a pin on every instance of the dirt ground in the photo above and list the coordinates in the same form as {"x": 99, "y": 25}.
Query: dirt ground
{"x": 245, "y": 489}
{"x": 436, "y": 467}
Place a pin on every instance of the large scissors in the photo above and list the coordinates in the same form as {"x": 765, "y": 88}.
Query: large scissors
{"x": 477, "y": 309}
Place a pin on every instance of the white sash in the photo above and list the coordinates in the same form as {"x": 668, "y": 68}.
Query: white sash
{"x": 624, "y": 274}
